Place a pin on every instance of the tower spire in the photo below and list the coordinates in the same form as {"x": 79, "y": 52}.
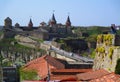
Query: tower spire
{"x": 53, "y": 20}
{"x": 68, "y": 22}
{"x": 30, "y": 24}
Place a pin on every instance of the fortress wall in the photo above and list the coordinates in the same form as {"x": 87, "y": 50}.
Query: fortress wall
{"x": 107, "y": 52}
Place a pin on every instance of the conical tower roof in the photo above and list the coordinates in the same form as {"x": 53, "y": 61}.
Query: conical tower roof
{"x": 53, "y": 20}
{"x": 68, "y": 22}
{"x": 30, "y": 24}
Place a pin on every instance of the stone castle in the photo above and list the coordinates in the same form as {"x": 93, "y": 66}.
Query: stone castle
{"x": 44, "y": 31}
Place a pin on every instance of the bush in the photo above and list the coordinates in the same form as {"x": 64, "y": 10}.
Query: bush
{"x": 93, "y": 54}
{"x": 28, "y": 75}
{"x": 117, "y": 69}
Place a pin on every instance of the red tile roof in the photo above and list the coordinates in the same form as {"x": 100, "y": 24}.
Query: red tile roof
{"x": 108, "y": 78}
{"x": 63, "y": 77}
{"x": 66, "y": 74}
{"x": 71, "y": 70}
{"x": 92, "y": 75}
{"x": 99, "y": 76}
{"x": 40, "y": 65}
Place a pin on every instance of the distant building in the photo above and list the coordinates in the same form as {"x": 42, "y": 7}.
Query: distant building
{"x": 8, "y": 22}
{"x": 44, "y": 31}
{"x": 30, "y": 24}
{"x": 68, "y": 22}
{"x": 53, "y": 21}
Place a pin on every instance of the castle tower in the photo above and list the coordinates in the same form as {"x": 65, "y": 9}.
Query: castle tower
{"x": 8, "y": 22}
{"x": 17, "y": 25}
{"x": 68, "y": 22}
{"x": 30, "y": 24}
{"x": 53, "y": 20}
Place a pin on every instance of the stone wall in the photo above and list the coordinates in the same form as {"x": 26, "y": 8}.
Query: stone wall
{"x": 107, "y": 53}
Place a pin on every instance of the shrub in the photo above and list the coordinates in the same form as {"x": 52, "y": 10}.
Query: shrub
{"x": 28, "y": 74}
{"x": 117, "y": 69}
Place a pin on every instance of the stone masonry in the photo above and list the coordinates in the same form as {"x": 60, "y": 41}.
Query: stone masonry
{"x": 107, "y": 52}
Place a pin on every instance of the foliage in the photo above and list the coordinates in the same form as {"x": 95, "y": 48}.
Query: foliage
{"x": 100, "y": 49}
{"x": 36, "y": 39}
{"x": 85, "y": 54}
{"x": 100, "y": 38}
{"x": 1, "y": 32}
{"x": 66, "y": 48}
{"x": 11, "y": 48}
{"x": 59, "y": 40}
{"x": 1, "y": 59}
{"x": 95, "y": 30}
{"x": 28, "y": 75}
{"x": 117, "y": 69}
{"x": 118, "y": 32}
{"x": 111, "y": 49}
{"x": 21, "y": 46}
{"x": 6, "y": 63}
{"x": 93, "y": 54}
{"x": 91, "y": 38}
{"x": 107, "y": 39}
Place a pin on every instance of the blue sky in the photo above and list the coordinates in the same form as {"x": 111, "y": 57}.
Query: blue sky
{"x": 82, "y": 12}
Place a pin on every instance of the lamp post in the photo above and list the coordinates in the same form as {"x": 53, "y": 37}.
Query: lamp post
{"x": 48, "y": 75}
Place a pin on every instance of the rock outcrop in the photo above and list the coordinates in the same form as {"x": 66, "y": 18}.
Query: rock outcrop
{"x": 26, "y": 41}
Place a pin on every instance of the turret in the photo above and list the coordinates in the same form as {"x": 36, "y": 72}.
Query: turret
{"x": 53, "y": 20}
{"x": 42, "y": 24}
{"x": 68, "y": 22}
{"x": 8, "y": 22}
{"x": 30, "y": 24}
{"x": 17, "y": 25}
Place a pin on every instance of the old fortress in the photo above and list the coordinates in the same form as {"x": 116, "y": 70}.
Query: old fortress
{"x": 44, "y": 31}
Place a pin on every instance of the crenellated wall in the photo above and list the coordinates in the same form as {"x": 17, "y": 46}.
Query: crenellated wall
{"x": 107, "y": 52}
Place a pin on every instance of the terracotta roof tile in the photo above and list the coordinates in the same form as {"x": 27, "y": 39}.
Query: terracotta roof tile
{"x": 66, "y": 75}
{"x": 92, "y": 75}
{"x": 63, "y": 77}
{"x": 71, "y": 70}
{"x": 111, "y": 77}
{"x": 40, "y": 65}
{"x": 99, "y": 76}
